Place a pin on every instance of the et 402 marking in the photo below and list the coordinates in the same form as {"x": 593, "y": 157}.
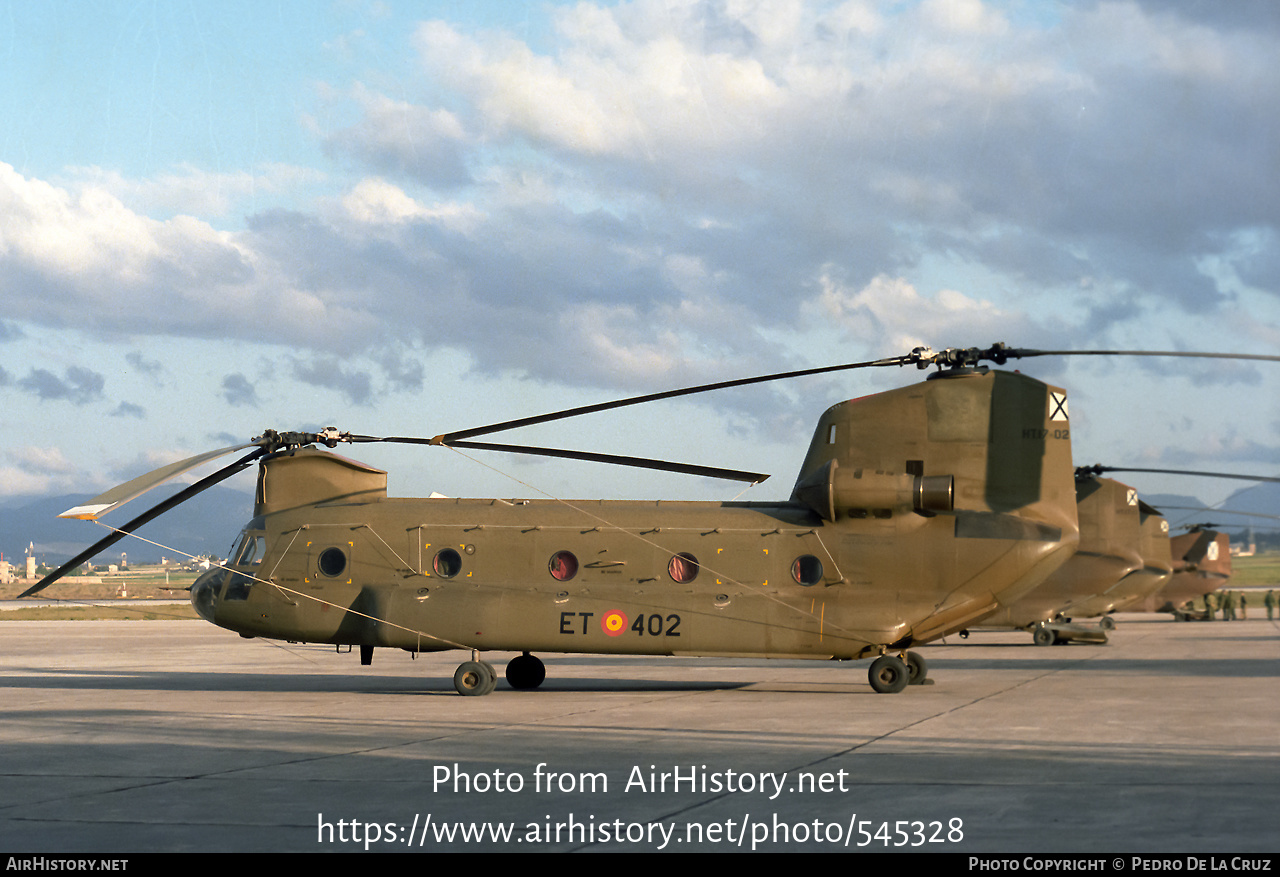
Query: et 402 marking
{"x": 616, "y": 623}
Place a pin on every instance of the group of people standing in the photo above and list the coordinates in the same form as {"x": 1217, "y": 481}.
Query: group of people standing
{"x": 1233, "y": 604}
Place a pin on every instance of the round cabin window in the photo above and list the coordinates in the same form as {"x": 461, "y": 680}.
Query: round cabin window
{"x": 807, "y": 570}
{"x": 332, "y": 561}
{"x": 683, "y": 568}
{"x": 447, "y": 563}
{"x": 563, "y": 566}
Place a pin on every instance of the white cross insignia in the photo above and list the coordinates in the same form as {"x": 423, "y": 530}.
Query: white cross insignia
{"x": 1057, "y": 406}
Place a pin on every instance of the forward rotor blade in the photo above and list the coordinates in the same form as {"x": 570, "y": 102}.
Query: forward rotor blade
{"x": 637, "y": 462}
{"x": 116, "y": 535}
{"x": 452, "y": 437}
{"x": 122, "y": 493}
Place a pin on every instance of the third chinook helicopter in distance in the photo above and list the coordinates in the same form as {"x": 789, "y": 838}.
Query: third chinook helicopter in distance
{"x": 916, "y": 513}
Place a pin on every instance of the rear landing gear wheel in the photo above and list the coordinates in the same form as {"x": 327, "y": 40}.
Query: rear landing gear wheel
{"x": 917, "y": 668}
{"x": 525, "y": 671}
{"x": 474, "y": 678}
{"x": 888, "y": 675}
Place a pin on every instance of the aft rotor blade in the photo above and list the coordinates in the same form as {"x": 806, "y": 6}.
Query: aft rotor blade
{"x": 1204, "y": 509}
{"x": 637, "y": 462}
{"x": 1098, "y": 470}
{"x": 1022, "y": 352}
{"x": 116, "y": 535}
{"x": 452, "y": 438}
{"x": 122, "y": 493}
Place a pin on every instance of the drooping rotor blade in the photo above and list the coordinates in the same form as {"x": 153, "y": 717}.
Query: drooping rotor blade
{"x": 452, "y": 437}
{"x": 457, "y": 439}
{"x": 122, "y": 493}
{"x": 116, "y": 535}
{"x": 1098, "y": 470}
{"x": 637, "y": 462}
{"x": 588, "y": 456}
{"x": 921, "y": 357}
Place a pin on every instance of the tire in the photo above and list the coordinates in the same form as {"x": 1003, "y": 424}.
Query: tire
{"x": 473, "y": 680}
{"x": 1107, "y": 623}
{"x": 888, "y": 675}
{"x": 917, "y": 668}
{"x": 1043, "y": 636}
{"x": 525, "y": 672}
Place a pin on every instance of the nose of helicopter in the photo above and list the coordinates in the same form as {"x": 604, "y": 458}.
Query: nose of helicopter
{"x": 204, "y": 593}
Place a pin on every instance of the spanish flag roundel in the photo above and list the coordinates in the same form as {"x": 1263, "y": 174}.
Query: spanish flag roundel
{"x": 614, "y": 622}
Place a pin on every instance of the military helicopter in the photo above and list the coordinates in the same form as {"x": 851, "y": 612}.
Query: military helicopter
{"x": 1111, "y": 552}
{"x": 1202, "y": 565}
{"x": 1157, "y": 568}
{"x": 1124, "y": 562}
{"x": 916, "y": 513}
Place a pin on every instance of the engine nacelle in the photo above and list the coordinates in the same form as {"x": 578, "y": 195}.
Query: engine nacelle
{"x": 830, "y": 490}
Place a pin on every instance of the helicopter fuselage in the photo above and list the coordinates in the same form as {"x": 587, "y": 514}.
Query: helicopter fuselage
{"x": 862, "y": 559}
{"x": 657, "y": 578}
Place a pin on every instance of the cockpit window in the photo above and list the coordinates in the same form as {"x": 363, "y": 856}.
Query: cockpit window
{"x": 249, "y": 551}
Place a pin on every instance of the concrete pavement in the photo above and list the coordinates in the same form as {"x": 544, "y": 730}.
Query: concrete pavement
{"x": 178, "y": 736}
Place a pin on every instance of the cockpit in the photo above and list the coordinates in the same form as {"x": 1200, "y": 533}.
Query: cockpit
{"x": 238, "y": 575}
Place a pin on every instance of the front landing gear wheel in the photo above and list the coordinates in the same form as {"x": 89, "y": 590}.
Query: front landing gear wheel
{"x": 525, "y": 671}
{"x": 474, "y": 678}
{"x": 888, "y": 675}
{"x": 1043, "y": 636}
{"x": 917, "y": 668}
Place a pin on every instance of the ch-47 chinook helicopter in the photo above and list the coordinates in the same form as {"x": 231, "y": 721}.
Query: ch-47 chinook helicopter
{"x": 1201, "y": 565}
{"x": 1125, "y": 562}
{"x": 916, "y": 513}
{"x": 1118, "y": 554}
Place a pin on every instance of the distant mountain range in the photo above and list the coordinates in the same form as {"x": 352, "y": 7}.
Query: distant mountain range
{"x": 1257, "y": 506}
{"x": 210, "y": 522}
{"x": 206, "y": 524}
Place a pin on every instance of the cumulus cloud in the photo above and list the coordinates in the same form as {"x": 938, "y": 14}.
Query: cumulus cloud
{"x": 332, "y": 374}
{"x": 377, "y": 202}
{"x": 193, "y": 191}
{"x": 397, "y": 137}
{"x": 81, "y": 257}
{"x": 778, "y": 139}
{"x": 79, "y": 386}
{"x": 237, "y": 390}
{"x": 129, "y": 409}
{"x": 38, "y": 470}
{"x": 144, "y": 365}
{"x": 891, "y": 314}
{"x": 665, "y": 191}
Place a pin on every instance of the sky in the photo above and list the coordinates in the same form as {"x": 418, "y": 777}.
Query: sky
{"x": 413, "y": 218}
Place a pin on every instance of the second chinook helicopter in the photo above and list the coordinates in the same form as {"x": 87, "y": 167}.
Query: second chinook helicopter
{"x": 1110, "y": 552}
{"x": 917, "y": 512}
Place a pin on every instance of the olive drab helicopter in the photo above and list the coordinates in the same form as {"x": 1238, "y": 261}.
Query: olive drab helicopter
{"x": 1155, "y": 572}
{"x": 1201, "y": 565}
{"x": 1125, "y": 562}
{"x": 1110, "y": 552}
{"x": 917, "y": 512}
